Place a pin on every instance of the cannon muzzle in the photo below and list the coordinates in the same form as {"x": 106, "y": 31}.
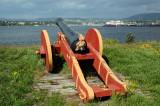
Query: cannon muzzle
{"x": 75, "y": 40}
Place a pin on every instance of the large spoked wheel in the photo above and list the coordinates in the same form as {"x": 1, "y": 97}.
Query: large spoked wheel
{"x": 47, "y": 48}
{"x": 93, "y": 37}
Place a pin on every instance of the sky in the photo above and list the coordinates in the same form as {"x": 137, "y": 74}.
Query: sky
{"x": 32, "y": 9}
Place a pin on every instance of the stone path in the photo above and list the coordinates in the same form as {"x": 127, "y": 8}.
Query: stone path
{"x": 56, "y": 83}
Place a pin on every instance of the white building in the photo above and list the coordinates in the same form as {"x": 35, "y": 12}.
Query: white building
{"x": 115, "y": 23}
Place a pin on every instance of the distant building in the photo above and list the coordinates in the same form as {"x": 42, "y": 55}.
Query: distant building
{"x": 118, "y": 23}
{"x": 21, "y": 23}
{"x": 115, "y": 23}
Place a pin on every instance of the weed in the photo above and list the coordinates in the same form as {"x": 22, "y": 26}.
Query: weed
{"x": 49, "y": 81}
{"x": 55, "y": 100}
{"x": 72, "y": 103}
{"x": 73, "y": 87}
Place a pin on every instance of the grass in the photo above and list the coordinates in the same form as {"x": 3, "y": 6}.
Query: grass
{"x": 139, "y": 62}
{"x": 19, "y": 70}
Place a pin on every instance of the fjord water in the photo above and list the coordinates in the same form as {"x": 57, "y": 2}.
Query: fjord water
{"x": 30, "y": 35}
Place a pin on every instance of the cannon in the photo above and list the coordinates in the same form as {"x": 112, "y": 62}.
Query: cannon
{"x": 73, "y": 38}
{"x": 68, "y": 44}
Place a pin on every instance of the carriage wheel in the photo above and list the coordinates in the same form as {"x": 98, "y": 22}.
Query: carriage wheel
{"x": 93, "y": 37}
{"x": 47, "y": 48}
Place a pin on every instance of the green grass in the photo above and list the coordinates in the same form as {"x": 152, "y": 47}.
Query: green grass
{"x": 139, "y": 62}
{"x": 19, "y": 69}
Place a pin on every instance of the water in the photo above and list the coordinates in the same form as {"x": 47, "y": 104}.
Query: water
{"x": 30, "y": 35}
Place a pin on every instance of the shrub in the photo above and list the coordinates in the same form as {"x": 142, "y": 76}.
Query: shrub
{"x": 130, "y": 38}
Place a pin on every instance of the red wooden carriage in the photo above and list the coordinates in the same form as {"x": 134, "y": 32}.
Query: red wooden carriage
{"x": 95, "y": 47}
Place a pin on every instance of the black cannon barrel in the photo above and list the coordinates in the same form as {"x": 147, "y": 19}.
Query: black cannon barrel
{"x": 71, "y": 36}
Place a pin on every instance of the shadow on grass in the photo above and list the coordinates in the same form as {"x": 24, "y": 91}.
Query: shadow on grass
{"x": 102, "y": 99}
{"x": 88, "y": 69}
{"x": 58, "y": 61}
{"x": 106, "y": 59}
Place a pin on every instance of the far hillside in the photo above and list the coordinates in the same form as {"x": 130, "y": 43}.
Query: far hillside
{"x": 144, "y": 17}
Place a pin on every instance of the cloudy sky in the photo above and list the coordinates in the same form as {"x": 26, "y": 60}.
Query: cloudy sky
{"x": 30, "y": 9}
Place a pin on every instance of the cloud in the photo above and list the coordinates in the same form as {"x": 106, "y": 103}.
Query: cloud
{"x": 76, "y": 8}
{"x": 13, "y": 1}
{"x": 28, "y": 4}
{"x": 70, "y": 5}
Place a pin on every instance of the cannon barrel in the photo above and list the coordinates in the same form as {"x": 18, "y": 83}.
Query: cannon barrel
{"x": 72, "y": 36}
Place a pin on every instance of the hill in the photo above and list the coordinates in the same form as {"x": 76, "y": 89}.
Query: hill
{"x": 144, "y": 17}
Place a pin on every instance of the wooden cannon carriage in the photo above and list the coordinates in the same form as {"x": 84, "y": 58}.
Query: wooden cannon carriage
{"x": 92, "y": 48}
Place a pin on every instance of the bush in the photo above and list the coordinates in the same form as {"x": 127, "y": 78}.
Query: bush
{"x": 130, "y": 38}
